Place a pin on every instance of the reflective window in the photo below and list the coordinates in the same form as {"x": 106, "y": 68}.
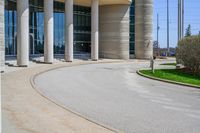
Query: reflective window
{"x": 132, "y": 27}
{"x": 10, "y": 27}
{"x": 82, "y": 28}
{"x": 36, "y": 25}
{"x": 59, "y": 33}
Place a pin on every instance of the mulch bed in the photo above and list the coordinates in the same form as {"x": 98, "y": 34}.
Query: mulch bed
{"x": 189, "y": 71}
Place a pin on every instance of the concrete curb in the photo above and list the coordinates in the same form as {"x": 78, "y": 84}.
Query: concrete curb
{"x": 167, "y": 81}
{"x": 36, "y": 88}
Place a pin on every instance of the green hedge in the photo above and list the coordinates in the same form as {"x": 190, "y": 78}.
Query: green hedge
{"x": 188, "y": 53}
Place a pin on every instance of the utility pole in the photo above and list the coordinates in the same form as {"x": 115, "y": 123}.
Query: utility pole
{"x": 179, "y": 5}
{"x": 182, "y": 14}
{"x": 158, "y": 28}
{"x": 168, "y": 50}
{"x": 180, "y": 19}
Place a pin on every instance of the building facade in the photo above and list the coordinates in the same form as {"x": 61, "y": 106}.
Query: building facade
{"x": 100, "y": 28}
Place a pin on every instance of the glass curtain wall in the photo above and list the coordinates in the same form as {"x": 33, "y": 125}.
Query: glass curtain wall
{"x": 36, "y": 27}
{"x": 132, "y": 27}
{"x": 82, "y": 28}
{"x": 10, "y": 27}
{"x": 59, "y": 28}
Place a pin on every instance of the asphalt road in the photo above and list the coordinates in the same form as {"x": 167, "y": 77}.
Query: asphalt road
{"x": 114, "y": 95}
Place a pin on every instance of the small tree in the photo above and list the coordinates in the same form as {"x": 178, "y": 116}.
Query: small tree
{"x": 188, "y": 52}
{"x": 188, "y": 31}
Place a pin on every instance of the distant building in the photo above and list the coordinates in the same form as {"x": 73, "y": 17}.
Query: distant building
{"x": 163, "y": 51}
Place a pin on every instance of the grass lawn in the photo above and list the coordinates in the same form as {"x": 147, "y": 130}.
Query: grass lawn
{"x": 174, "y": 75}
{"x": 169, "y": 64}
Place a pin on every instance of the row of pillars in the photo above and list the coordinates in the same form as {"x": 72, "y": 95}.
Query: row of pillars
{"x": 23, "y": 31}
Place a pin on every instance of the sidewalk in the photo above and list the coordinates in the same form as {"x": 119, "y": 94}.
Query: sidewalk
{"x": 24, "y": 110}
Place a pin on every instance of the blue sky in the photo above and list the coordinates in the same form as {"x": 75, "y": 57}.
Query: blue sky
{"x": 192, "y": 16}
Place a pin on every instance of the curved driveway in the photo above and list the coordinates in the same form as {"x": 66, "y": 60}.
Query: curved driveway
{"x": 114, "y": 95}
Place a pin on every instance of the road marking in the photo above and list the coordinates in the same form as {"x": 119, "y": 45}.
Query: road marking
{"x": 194, "y": 116}
{"x": 171, "y": 103}
{"x": 184, "y": 110}
{"x": 143, "y": 91}
{"x": 156, "y": 97}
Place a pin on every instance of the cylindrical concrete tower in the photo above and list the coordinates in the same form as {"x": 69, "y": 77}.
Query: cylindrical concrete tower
{"x": 114, "y": 31}
{"x": 143, "y": 29}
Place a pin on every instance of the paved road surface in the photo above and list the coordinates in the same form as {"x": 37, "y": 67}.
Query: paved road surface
{"x": 114, "y": 95}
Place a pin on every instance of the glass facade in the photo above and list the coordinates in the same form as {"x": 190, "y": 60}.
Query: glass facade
{"x": 10, "y": 28}
{"x": 36, "y": 26}
{"x": 132, "y": 27}
{"x": 82, "y": 28}
{"x": 59, "y": 32}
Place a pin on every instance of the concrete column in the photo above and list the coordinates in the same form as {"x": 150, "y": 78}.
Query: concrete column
{"x": 48, "y": 31}
{"x": 143, "y": 29}
{"x": 95, "y": 30}
{"x": 69, "y": 30}
{"x": 22, "y": 33}
{"x": 2, "y": 34}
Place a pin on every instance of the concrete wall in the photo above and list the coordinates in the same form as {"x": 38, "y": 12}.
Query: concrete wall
{"x": 114, "y": 31}
{"x": 2, "y": 47}
{"x": 143, "y": 29}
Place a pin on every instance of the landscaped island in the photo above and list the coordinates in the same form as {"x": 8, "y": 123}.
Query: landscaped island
{"x": 173, "y": 75}
{"x": 188, "y": 57}
{"x": 168, "y": 64}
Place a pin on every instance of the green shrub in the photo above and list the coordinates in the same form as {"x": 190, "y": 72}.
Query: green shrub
{"x": 188, "y": 53}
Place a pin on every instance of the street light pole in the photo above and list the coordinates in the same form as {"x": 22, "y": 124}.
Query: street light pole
{"x": 180, "y": 19}
{"x": 179, "y": 36}
{"x": 168, "y": 50}
{"x": 182, "y": 14}
{"x": 158, "y": 28}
